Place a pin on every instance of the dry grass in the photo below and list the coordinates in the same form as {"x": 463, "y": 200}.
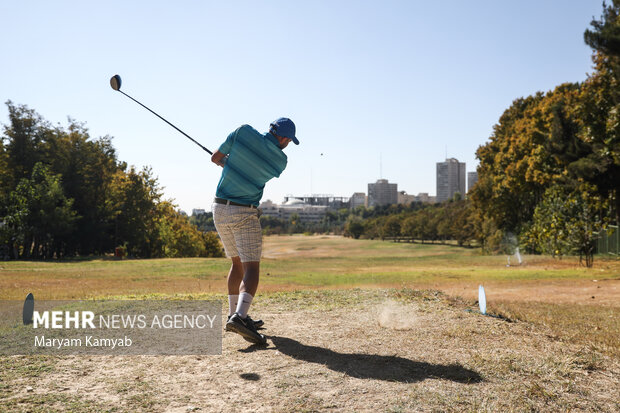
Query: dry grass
{"x": 354, "y": 350}
{"x": 404, "y": 342}
{"x": 594, "y": 326}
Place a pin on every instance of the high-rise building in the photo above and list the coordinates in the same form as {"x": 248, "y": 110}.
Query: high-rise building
{"x": 382, "y": 193}
{"x": 472, "y": 178}
{"x": 450, "y": 179}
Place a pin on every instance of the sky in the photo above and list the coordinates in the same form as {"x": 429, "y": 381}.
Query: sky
{"x": 377, "y": 89}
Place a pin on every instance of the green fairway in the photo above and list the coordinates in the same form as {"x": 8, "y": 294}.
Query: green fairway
{"x": 292, "y": 262}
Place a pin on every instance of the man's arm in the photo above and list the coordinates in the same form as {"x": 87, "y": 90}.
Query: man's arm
{"x": 219, "y": 158}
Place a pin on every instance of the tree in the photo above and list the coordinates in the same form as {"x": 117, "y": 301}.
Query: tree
{"x": 391, "y": 227}
{"x": 204, "y": 222}
{"x": 515, "y": 166}
{"x": 135, "y": 196}
{"x": 605, "y": 34}
{"x": 565, "y": 222}
{"x": 295, "y": 224}
{"x": 40, "y": 216}
{"x": 273, "y": 225}
{"x": 600, "y": 108}
{"x": 213, "y": 246}
{"x": 354, "y": 227}
{"x": 177, "y": 237}
{"x": 410, "y": 228}
{"x": 23, "y": 138}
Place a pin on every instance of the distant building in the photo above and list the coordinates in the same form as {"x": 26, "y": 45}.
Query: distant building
{"x": 196, "y": 211}
{"x": 333, "y": 203}
{"x": 405, "y": 199}
{"x": 472, "y": 178}
{"x": 450, "y": 179}
{"x": 425, "y": 198}
{"x": 382, "y": 193}
{"x": 270, "y": 209}
{"x": 306, "y": 212}
{"x": 358, "y": 199}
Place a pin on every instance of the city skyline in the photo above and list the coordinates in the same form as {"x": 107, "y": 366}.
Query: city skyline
{"x": 377, "y": 90}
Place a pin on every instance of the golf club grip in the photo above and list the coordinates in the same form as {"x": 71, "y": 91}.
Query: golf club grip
{"x": 154, "y": 113}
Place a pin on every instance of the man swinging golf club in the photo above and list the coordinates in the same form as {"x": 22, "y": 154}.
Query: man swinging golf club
{"x": 249, "y": 159}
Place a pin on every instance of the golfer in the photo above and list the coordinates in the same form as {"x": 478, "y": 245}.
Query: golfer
{"x": 249, "y": 159}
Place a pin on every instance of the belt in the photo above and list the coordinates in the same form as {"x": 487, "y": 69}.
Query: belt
{"x": 227, "y": 202}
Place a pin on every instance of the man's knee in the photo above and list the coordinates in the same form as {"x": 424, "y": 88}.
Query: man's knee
{"x": 251, "y": 267}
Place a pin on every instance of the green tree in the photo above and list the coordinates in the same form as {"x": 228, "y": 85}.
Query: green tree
{"x": 409, "y": 227}
{"x": 213, "y": 246}
{"x": 23, "y": 137}
{"x": 354, "y": 227}
{"x": 135, "y": 196}
{"x": 177, "y": 237}
{"x": 565, "y": 222}
{"x": 204, "y": 222}
{"x": 600, "y": 109}
{"x": 86, "y": 166}
{"x": 295, "y": 224}
{"x": 391, "y": 227}
{"x": 40, "y": 216}
{"x": 273, "y": 225}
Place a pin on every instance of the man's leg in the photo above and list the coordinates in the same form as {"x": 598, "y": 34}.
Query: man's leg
{"x": 223, "y": 224}
{"x": 248, "y": 239}
{"x": 248, "y": 287}
{"x": 240, "y": 322}
{"x": 235, "y": 276}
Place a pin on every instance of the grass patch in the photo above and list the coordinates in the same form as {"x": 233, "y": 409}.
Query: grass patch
{"x": 24, "y": 367}
{"x": 53, "y": 403}
{"x": 589, "y": 325}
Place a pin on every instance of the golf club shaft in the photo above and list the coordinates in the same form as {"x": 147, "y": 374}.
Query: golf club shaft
{"x": 186, "y": 135}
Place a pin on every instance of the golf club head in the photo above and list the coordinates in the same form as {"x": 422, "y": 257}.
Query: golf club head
{"x": 115, "y": 82}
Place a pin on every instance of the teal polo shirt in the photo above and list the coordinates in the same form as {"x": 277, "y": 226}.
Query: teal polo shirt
{"x": 253, "y": 159}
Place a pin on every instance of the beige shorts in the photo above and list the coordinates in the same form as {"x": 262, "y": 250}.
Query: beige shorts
{"x": 239, "y": 230}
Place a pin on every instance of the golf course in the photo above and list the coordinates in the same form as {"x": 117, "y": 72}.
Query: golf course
{"x": 351, "y": 325}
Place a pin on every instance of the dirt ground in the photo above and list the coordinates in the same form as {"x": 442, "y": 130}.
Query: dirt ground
{"x": 356, "y": 350}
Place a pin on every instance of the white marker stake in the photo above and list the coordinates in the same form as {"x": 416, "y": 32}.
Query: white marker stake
{"x": 482, "y": 300}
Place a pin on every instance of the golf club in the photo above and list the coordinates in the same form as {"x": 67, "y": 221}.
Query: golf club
{"x": 115, "y": 82}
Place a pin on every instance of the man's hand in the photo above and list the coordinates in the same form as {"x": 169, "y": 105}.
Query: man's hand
{"x": 219, "y": 158}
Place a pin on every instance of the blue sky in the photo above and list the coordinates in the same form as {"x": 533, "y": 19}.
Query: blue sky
{"x": 396, "y": 81}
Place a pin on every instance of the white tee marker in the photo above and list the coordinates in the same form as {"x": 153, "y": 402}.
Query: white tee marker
{"x": 482, "y": 300}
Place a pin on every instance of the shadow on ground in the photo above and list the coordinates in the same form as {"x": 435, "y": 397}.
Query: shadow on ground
{"x": 371, "y": 366}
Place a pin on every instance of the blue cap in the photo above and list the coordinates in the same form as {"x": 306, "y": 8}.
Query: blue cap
{"x": 284, "y": 127}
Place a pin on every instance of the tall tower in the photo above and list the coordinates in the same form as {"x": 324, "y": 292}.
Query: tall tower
{"x": 382, "y": 193}
{"x": 472, "y": 178}
{"x": 450, "y": 179}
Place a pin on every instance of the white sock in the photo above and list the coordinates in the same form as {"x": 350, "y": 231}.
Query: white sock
{"x": 232, "y": 303}
{"x": 243, "y": 305}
